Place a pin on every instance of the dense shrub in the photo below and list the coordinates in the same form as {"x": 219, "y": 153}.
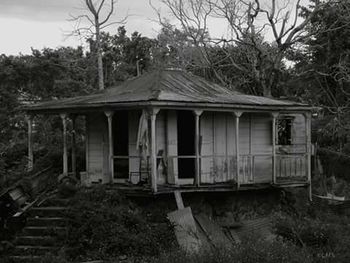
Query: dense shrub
{"x": 103, "y": 224}
{"x": 335, "y": 163}
{"x": 317, "y": 229}
{"x": 305, "y": 231}
{"x": 251, "y": 250}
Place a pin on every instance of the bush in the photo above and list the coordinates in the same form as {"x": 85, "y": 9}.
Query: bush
{"x": 103, "y": 225}
{"x": 335, "y": 163}
{"x": 250, "y": 250}
{"x": 305, "y": 231}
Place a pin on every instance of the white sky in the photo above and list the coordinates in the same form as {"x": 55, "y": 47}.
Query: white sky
{"x": 43, "y": 23}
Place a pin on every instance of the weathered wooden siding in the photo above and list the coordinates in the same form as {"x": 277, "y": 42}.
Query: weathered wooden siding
{"x": 207, "y": 145}
{"x": 218, "y": 139}
{"x": 134, "y": 162}
{"x": 171, "y": 129}
{"x": 97, "y": 155}
{"x": 261, "y": 147}
{"x": 161, "y": 146}
{"x": 217, "y": 131}
{"x": 217, "y": 148}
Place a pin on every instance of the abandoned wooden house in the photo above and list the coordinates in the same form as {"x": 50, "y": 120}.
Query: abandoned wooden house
{"x": 169, "y": 129}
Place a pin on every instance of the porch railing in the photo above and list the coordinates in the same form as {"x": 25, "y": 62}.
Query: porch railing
{"x": 291, "y": 166}
{"x": 214, "y": 169}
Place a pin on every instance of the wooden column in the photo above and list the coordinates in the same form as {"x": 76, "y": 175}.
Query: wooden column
{"x": 86, "y": 143}
{"x": 153, "y": 115}
{"x": 30, "y": 142}
{"x": 237, "y": 115}
{"x": 74, "y": 155}
{"x": 274, "y": 157}
{"x": 197, "y": 178}
{"x": 65, "y": 150}
{"x": 109, "y": 115}
{"x": 307, "y": 117}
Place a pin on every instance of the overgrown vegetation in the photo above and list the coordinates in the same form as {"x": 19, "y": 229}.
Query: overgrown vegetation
{"x": 108, "y": 226}
{"x": 103, "y": 225}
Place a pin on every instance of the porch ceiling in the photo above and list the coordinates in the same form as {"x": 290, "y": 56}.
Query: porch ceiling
{"x": 166, "y": 87}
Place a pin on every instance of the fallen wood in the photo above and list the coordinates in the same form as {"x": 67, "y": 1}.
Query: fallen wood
{"x": 213, "y": 231}
{"x": 185, "y": 229}
{"x": 331, "y": 197}
{"x": 178, "y": 198}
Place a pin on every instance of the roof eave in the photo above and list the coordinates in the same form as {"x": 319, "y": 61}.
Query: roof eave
{"x": 165, "y": 104}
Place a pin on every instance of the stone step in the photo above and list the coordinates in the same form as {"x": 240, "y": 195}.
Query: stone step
{"x": 48, "y": 211}
{"x": 55, "y": 201}
{"x": 33, "y": 250}
{"x": 43, "y": 230}
{"x": 25, "y": 259}
{"x": 46, "y": 221}
{"x": 36, "y": 241}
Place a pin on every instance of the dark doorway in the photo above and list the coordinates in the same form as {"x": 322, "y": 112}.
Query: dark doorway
{"x": 185, "y": 143}
{"x": 121, "y": 144}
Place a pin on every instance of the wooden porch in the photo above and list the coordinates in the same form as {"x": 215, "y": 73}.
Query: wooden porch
{"x": 145, "y": 190}
{"x": 254, "y": 173}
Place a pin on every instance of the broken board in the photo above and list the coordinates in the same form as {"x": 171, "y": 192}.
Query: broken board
{"x": 213, "y": 231}
{"x": 185, "y": 229}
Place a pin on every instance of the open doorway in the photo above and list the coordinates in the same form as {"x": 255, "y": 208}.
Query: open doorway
{"x": 186, "y": 144}
{"x": 121, "y": 145}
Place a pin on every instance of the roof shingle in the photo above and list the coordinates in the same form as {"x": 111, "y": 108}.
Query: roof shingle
{"x": 172, "y": 86}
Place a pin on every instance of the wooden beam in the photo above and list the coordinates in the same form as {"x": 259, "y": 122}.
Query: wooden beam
{"x": 65, "y": 150}
{"x": 153, "y": 115}
{"x": 30, "y": 142}
{"x": 237, "y": 115}
{"x": 251, "y": 158}
{"x": 86, "y": 143}
{"x": 109, "y": 115}
{"x": 274, "y": 157}
{"x": 197, "y": 178}
{"x": 178, "y": 199}
{"x": 220, "y": 107}
{"x": 74, "y": 155}
{"x": 307, "y": 117}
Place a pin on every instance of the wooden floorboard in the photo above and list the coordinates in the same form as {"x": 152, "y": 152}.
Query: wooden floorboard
{"x": 145, "y": 190}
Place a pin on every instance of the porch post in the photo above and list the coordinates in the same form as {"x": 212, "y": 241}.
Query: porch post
{"x": 197, "y": 114}
{"x": 153, "y": 116}
{"x": 274, "y": 157}
{"x": 74, "y": 155}
{"x": 237, "y": 115}
{"x": 65, "y": 150}
{"x": 30, "y": 142}
{"x": 307, "y": 117}
{"x": 109, "y": 115}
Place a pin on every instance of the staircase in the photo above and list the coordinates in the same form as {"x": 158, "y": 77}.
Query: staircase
{"x": 44, "y": 231}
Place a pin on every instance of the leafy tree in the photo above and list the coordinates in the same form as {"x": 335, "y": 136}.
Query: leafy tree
{"x": 98, "y": 17}
{"x": 322, "y": 71}
{"x": 122, "y": 53}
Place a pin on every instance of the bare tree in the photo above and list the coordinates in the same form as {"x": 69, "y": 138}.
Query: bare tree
{"x": 98, "y": 18}
{"x": 249, "y": 21}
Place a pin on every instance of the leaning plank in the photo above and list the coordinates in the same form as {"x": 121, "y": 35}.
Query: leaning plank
{"x": 178, "y": 198}
{"x": 213, "y": 231}
{"x": 185, "y": 229}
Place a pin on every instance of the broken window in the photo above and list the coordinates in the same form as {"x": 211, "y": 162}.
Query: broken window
{"x": 284, "y": 131}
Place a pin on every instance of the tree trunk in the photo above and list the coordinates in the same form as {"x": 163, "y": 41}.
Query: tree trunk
{"x": 99, "y": 57}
